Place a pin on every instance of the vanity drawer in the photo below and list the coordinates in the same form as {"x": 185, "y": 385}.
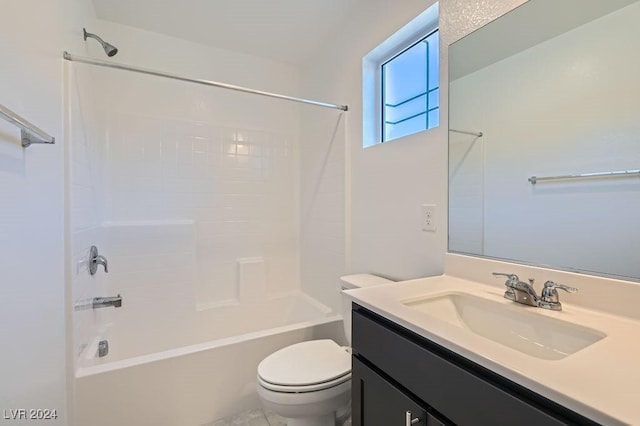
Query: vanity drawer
{"x": 464, "y": 392}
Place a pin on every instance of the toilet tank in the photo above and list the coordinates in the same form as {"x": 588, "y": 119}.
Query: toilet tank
{"x": 349, "y": 282}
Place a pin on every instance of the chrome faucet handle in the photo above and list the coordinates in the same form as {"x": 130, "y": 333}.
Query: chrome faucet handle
{"x": 512, "y": 279}
{"x": 101, "y": 260}
{"x": 550, "y": 298}
{"x": 95, "y": 259}
{"x": 511, "y": 283}
{"x": 551, "y": 284}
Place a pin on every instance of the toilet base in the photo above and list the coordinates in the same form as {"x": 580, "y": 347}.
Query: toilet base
{"x": 308, "y": 409}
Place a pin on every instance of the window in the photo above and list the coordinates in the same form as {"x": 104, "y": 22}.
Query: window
{"x": 400, "y": 81}
{"x": 410, "y": 89}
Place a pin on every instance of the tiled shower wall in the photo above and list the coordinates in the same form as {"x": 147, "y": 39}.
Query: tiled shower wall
{"x": 195, "y": 201}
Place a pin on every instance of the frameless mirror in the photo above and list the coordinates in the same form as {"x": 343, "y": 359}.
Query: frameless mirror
{"x": 544, "y": 141}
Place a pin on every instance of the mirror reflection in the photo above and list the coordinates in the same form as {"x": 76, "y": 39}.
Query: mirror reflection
{"x": 554, "y": 90}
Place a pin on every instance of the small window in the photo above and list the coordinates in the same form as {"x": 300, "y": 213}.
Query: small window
{"x": 400, "y": 81}
{"x": 410, "y": 89}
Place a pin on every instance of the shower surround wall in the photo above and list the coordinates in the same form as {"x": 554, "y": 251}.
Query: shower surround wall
{"x": 197, "y": 188}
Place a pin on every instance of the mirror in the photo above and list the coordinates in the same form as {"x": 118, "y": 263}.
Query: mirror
{"x": 554, "y": 179}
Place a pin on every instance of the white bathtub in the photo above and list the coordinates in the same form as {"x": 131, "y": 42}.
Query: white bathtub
{"x": 191, "y": 371}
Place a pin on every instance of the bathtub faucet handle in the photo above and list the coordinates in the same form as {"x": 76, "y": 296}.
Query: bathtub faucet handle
{"x": 96, "y": 259}
{"x": 101, "y": 260}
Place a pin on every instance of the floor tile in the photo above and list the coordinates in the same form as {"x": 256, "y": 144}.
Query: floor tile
{"x": 250, "y": 418}
{"x": 256, "y": 417}
{"x": 274, "y": 419}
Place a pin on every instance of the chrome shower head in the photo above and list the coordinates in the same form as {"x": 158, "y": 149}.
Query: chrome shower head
{"x": 109, "y": 49}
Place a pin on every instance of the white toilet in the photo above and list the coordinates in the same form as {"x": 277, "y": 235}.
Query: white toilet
{"x": 309, "y": 383}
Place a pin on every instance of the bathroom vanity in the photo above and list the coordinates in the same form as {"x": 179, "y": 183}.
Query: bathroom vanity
{"x": 449, "y": 350}
{"x": 396, "y": 371}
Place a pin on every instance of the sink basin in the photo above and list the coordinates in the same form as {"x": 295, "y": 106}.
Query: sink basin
{"x": 509, "y": 325}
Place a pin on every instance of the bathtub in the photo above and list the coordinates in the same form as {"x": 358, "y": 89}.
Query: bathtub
{"x": 193, "y": 370}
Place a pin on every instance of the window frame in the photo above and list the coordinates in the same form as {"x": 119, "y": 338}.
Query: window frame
{"x": 396, "y": 53}
{"x": 425, "y": 23}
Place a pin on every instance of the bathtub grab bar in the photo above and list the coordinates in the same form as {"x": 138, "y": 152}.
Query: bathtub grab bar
{"x": 29, "y": 133}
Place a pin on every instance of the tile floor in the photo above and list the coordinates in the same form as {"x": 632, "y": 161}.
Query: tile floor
{"x": 255, "y": 417}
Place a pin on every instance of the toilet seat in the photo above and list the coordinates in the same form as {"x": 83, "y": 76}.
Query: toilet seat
{"x": 302, "y": 389}
{"x": 306, "y": 367}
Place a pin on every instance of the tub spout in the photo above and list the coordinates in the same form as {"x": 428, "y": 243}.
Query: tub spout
{"x": 104, "y": 302}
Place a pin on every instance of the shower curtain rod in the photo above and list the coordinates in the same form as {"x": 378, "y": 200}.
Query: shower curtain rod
{"x": 75, "y": 58}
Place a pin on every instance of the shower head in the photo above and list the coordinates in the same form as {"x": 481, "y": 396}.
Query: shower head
{"x": 109, "y": 49}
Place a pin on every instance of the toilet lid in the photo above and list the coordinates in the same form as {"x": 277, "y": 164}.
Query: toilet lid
{"x": 306, "y": 363}
{"x": 307, "y": 388}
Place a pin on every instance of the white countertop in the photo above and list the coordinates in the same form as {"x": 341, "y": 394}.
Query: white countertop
{"x": 601, "y": 381}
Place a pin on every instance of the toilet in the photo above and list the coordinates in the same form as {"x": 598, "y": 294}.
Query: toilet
{"x": 309, "y": 383}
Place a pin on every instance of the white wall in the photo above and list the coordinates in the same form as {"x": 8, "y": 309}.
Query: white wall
{"x": 385, "y": 184}
{"x": 583, "y": 119}
{"x": 33, "y": 318}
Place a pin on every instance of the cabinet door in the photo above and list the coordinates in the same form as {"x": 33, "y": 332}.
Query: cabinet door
{"x": 377, "y": 402}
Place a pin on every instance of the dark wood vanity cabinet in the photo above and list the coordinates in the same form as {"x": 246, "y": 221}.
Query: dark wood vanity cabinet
{"x": 396, "y": 370}
{"x": 383, "y": 404}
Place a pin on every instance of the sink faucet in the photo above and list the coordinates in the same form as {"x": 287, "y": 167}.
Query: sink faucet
{"x": 519, "y": 291}
{"x": 524, "y": 293}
